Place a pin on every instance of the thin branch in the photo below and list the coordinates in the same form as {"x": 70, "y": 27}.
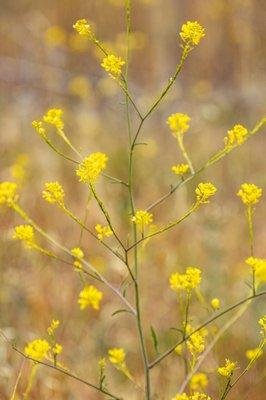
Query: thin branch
{"x": 209, "y": 321}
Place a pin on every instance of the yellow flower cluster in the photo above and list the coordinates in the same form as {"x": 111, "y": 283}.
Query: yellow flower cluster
{"x": 254, "y": 354}
{"x": 90, "y": 296}
{"x": 178, "y": 123}
{"x": 204, "y": 191}
{"x": 249, "y": 193}
{"x": 215, "y": 303}
{"x": 236, "y": 136}
{"x": 262, "y": 323}
{"x": 53, "y": 326}
{"x": 25, "y": 233}
{"x": 196, "y": 342}
{"x": 78, "y": 254}
{"x": 228, "y": 369}
{"x": 190, "y": 280}
{"x": 103, "y": 231}
{"x": 91, "y": 167}
{"x": 54, "y": 117}
{"x": 8, "y": 193}
{"x": 38, "y": 126}
{"x": 37, "y": 349}
{"x": 258, "y": 265}
{"x": 117, "y": 357}
{"x": 198, "y": 382}
{"x": 180, "y": 169}
{"x": 17, "y": 170}
{"x": 194, "y": 396}
{"x": 113, "y": 65}
{"x": 142, "y": 217}
{"x": 192, "y": 33}
{"x": 53, "y": 193}
{"x": 83, "y": 27}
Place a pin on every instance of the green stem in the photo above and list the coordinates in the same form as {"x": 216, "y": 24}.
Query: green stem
{"x": 206, "y": 323}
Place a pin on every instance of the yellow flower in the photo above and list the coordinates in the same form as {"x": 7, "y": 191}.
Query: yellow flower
{"x": 228, "y": 369}
{"x": 90, "y": 296}
{"x": 38, "y": 126}
{"x": 190, "y": 280}
{"x": 53, "y": 193}
{"x": 8, "y": 193}
{"x": 198, "y": 381}
{"x": 91, "y": 167}
{"x": 55, "y": 36}
{"x": 262, "y": 323}
{"x": 113, "y": 64}
{"x": 179, "y": 349}
{"x": 192, "y": 32}
{"x": 204, "y": 191}
{"x": 180, "y": 169}
{"x": 254, "y": 354}
{"x": 258, "y": 265}
{"x": 249, "y": 193}
{"x": 79, "y": 86}
{"x": 196, "y": 343}
{"x": 142, "y": 217}
{"x": 236, "y": 136}
{"x": 215, "y": 303}
{"x": 17, "y": 170}
{"x": 54, "y": 325}
{"x": 178, "y": 123}
{"x": 57, "y": 349}
{"x": 199, "y": 396}
{"x": 102, "y": 363}
{"x": 24, "y": 233}
{"x": 117, "y": 356}
{"x": 77, "y": 252}
{"x": 182, "y": 396}
{"x": 54, "y": 117}
{"x": 37, "y": 349}
{"x": 83, "y": 27}
{"x": 103, "y": 231}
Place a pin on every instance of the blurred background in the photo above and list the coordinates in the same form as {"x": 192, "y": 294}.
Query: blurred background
{"x": 45, "y": 64}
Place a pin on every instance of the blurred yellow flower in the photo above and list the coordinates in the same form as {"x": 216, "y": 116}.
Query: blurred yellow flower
{"x": 116, "y": 355}
{"x": 215, "y": 303}
{"x": 37, "y": 349}
{"x": 142, "y": 217}
{"x": 90, "y": 296}
{"x": 25, "y": 233}
{"x": 80, "y": 86}
{"x": 180, "y": 169}
{"x": 199, "y": 381}
{"x": 254, "y": 354}
{"x": 53, "y": 193}
{"x": 55, "y": 36}
{"x": 8, "y": 193}
{"x": 103, "y": 231}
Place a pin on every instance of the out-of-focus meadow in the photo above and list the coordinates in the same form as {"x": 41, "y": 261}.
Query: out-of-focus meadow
{"x": 45, "y": 64}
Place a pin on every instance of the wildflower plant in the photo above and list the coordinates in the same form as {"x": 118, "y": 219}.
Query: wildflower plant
{"x": 195, "y": 341}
